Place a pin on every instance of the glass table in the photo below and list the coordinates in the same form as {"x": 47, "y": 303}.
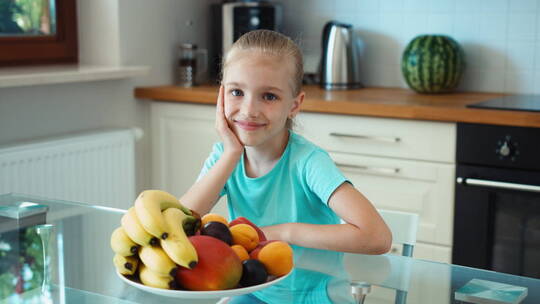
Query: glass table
{"x": 75, "y": 237}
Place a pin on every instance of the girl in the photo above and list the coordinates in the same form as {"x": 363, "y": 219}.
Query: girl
{"x": 278, "y": 179}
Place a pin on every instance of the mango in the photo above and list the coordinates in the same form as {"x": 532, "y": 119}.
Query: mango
{"x": 218, "y": 268}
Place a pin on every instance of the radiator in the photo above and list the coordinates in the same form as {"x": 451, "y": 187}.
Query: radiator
{"x": 94, "y": 168}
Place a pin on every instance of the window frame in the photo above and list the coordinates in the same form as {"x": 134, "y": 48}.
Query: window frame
{"x": 35, "y": 50}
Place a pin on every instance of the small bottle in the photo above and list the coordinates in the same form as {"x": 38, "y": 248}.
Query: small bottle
{"x": 187, "y": 65}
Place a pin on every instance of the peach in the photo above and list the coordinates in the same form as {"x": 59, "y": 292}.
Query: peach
{"x": 241, "y": 252}
{"x": 213, "y": 217}
{"x": 245, "y": 235}
{"x": 277, "y": 257}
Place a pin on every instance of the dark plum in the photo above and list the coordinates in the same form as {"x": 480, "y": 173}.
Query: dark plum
{"x": 253, "y": 273}
{"x": 218, "y": 230}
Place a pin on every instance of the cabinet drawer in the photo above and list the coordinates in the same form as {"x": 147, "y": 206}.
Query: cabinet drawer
{"x": 410, "y": 139}
{"x": 424, "y": 188}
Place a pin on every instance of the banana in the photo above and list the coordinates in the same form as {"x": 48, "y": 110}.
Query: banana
{"x": 125, "y": 264}
{"x": 177, "y": 245}
{"x": 135, "y": 230}
{"x": 154, "y": 279}
{"x": 192, "y": 223}
{"x": 122, "y": 244}
{"x": 149, "y": 205}
{"x": 157, "y": 260}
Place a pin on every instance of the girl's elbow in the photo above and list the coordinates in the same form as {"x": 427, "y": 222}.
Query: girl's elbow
{"x": 385, "y": 242}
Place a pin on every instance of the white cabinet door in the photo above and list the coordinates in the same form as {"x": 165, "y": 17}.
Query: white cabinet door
{"x": 182, "y": 139}
{"x": 418, "y": 187}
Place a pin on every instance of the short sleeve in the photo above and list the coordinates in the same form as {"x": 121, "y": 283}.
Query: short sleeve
{"x": 322, "y": 175}
{"x": 217, "y": 151}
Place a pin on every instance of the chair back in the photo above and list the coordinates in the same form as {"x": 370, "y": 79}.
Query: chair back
{"x": 404, "y": 227}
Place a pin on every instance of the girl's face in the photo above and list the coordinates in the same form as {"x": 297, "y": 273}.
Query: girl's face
{"x": 259, "y": 97}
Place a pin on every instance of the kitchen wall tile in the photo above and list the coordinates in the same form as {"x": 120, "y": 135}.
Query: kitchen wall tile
{"x": 391, "y": 6}
{"x": 526, "y": 6}
{"x": 441, "y": 24}
{"x": 442, "y": 6}
{"x": 493, "y": 54}
{"x": 536, "y": 83}
{"x": 493, "y": 26}
{"x": 483, "y": 80}
{"x": 368, "y": 22}
{"x": 519, "y": 82}
{"x": 520, "y": 56}
{"x": 468, "y": 6}
{"x": 413, "y": 25}
{"x": 537, "y": 56}
{"x": 466, "y": 25}
{"x": 473, "y": 55}
{"x": 522, "y": 26}
{"x": 494, "y": 6}
{"x": 391, "y": 24}
{"x": 372, "y": 6}
{"x": 415, "y": 6}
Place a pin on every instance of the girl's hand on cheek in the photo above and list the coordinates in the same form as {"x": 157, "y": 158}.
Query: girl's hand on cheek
{"x": 231, "y": 143}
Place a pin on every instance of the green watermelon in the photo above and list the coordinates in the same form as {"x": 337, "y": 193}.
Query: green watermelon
{"x": 433, "y": 64}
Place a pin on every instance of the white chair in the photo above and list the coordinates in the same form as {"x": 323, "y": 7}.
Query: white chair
{"x": 404, "y": 227}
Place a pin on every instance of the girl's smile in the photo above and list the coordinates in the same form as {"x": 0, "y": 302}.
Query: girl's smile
{"x": 248, "y": 125}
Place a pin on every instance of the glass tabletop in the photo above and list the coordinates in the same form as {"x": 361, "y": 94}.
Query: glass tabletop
{"x": 76, "y": 238}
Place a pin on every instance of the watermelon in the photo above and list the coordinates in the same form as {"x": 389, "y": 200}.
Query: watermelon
{"x": 433, "y": 64}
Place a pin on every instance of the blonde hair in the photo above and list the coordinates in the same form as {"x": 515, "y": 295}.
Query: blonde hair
{"x": 272, "y": 43}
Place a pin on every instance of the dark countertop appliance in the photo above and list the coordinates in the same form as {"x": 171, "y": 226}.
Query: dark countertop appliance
{"x": 497, "y": 199}
{"x": 232, "y": 19}
{"x": 511, "y": 103}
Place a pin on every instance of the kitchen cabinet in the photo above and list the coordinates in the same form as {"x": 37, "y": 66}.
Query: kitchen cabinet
{"x": 401, "y": 165}
{"x": 182, "y": 138}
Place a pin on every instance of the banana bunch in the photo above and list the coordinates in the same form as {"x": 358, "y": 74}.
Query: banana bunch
{"x": 152, "y": 241}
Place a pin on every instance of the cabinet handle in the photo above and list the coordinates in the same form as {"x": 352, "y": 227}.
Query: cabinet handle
{"x": 373, "y": 169}
{"x": 367, "y": 137}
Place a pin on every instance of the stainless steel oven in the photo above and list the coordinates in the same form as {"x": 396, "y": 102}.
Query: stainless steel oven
{"x": 497, "y": 205}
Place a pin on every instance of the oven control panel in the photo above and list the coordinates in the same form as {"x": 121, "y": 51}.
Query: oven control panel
{"x": 498, "y": 146}
{"x": 507, "y": 148}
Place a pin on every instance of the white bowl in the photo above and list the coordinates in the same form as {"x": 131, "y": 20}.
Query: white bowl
{"x": 187, "y": 294}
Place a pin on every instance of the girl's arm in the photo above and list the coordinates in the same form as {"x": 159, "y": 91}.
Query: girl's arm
{"x": 202, "y": 196}
{"x": 364, "y": 231}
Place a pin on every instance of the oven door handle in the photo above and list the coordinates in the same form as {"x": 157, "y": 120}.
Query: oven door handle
{"x": 496, "y": 184}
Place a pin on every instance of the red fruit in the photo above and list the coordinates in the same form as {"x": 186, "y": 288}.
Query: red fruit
{"x": 218, "y": 268}
{"x": 243, "y": 220}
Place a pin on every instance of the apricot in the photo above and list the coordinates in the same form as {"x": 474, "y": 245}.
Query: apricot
{"x": 213, "y": 217}
{"x": 241, "y": 252}
{"x": 277, "y": 258}
{"x": 245, "y": 236}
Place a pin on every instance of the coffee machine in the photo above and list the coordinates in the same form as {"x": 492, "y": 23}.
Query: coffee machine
{"x": 232, "y": 19}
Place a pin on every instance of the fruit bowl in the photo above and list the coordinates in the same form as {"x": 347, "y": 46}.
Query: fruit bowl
{"x": 188, "y": 294}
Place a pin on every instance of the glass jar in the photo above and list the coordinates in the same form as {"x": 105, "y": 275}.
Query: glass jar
{"x": 191, "y": 63}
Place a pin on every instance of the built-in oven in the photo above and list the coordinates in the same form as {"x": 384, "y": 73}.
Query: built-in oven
{"x": 497, "y": 201}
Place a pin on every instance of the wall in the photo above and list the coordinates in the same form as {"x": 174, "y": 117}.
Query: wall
{"x": 501, "y": 38}
{"x": 111, "y": 32}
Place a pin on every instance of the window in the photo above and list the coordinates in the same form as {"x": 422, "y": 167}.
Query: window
{"x": 38, "y": 32}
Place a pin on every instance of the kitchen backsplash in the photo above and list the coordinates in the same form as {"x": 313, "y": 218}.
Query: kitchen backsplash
{"x": 501, "y": 38}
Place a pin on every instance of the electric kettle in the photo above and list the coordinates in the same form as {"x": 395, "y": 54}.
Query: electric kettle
{"x": 340, "y": 57}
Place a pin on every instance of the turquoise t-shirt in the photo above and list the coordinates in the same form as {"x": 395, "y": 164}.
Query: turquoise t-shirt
{"x": 296, "y": 190}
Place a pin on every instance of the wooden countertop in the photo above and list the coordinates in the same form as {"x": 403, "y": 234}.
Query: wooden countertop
{"x": 374, "y": 101}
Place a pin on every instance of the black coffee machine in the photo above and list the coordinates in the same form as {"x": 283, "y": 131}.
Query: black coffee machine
{"x": 232, "y": 19}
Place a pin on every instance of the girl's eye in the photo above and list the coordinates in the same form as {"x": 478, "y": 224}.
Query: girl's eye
{"x": 270, "y": 97}
{"x": 236, "y": 92}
